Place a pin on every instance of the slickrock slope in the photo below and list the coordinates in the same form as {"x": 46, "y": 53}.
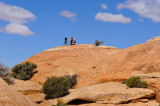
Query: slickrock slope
{"x": 143, "y": 58}
{"x": 10, "y": 97}
{"x": 101, "y": 64}
{"x": 70, "y": 60}
{"x": 97, "y": 64}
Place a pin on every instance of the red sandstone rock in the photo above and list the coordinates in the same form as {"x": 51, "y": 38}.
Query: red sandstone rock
{"x": 110, "y": 93}
{"x": 10, "y": 97}
{"x": 97, "y": 64}
{"x": 37, "y": 98}
{"x": 26, "y": 87}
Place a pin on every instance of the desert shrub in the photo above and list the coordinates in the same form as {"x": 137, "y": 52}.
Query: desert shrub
{"x": 4, "y": 74}
{"x": 72, "y": 80}
{"x": 55, "y": 87}
{"x": 60, "y": 103}
{"x": 135, "y": 82}
{"x": 97, "y": 42}
{"x": 24, "y": 71}
{"x": 9, "y": 79}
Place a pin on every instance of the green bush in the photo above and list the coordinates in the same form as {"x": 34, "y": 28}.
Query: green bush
{"x": 4, "y": 74}
{"x": 24, "y": 71}
{"x": 60, "y": 103}
{"x": 56, "y": 87}
{"x": 97, "y": 42}
{"x": 135, "y": 82}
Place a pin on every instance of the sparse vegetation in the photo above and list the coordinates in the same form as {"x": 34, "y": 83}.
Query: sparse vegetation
{"x": 135, "y": 82}
{"x": 98, "y": 42}
{"x": 4, "y": 74}
{"x": 60, "y": 103}
{"x": 55, "y": 87}
{"x": 24, "y": 71}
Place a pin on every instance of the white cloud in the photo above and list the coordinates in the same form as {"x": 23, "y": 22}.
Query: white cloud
{"x": 15, "y": 28}
{"x": 108, "y": 17}
{"x": 67, "y": 14}
{"x": 16, "y": 16}
{"x": 145, "y": 8}
{"x": 104, "y": 6}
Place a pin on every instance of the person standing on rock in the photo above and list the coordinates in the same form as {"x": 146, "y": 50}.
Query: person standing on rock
{"x": 65, "y": 42}
{"x": 72, "y": 41}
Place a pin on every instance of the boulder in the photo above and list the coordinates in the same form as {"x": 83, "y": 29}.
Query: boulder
{"x": 37, "y": 98}
{"x": 110, "y": 93}
{"x": 10, "y": 97}
{"x": 26, "y": 87}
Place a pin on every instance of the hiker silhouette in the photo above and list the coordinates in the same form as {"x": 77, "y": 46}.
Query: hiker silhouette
{"x": 65, "y": 42}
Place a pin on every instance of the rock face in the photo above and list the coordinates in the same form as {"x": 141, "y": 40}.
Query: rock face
{"x": 26, "y": 87}
{"x": 119, "y": 66}
{"x": 71, "y": 60}
{"x": 110, "y": 93}
{"x": 37, "y": 98}
{"x": 97, "y": 64}
{"x": 10, "y": 97}
{"x": 100, "y": 64}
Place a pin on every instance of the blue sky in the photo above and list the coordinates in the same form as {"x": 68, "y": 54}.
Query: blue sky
{"x": 28, "y": 27}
